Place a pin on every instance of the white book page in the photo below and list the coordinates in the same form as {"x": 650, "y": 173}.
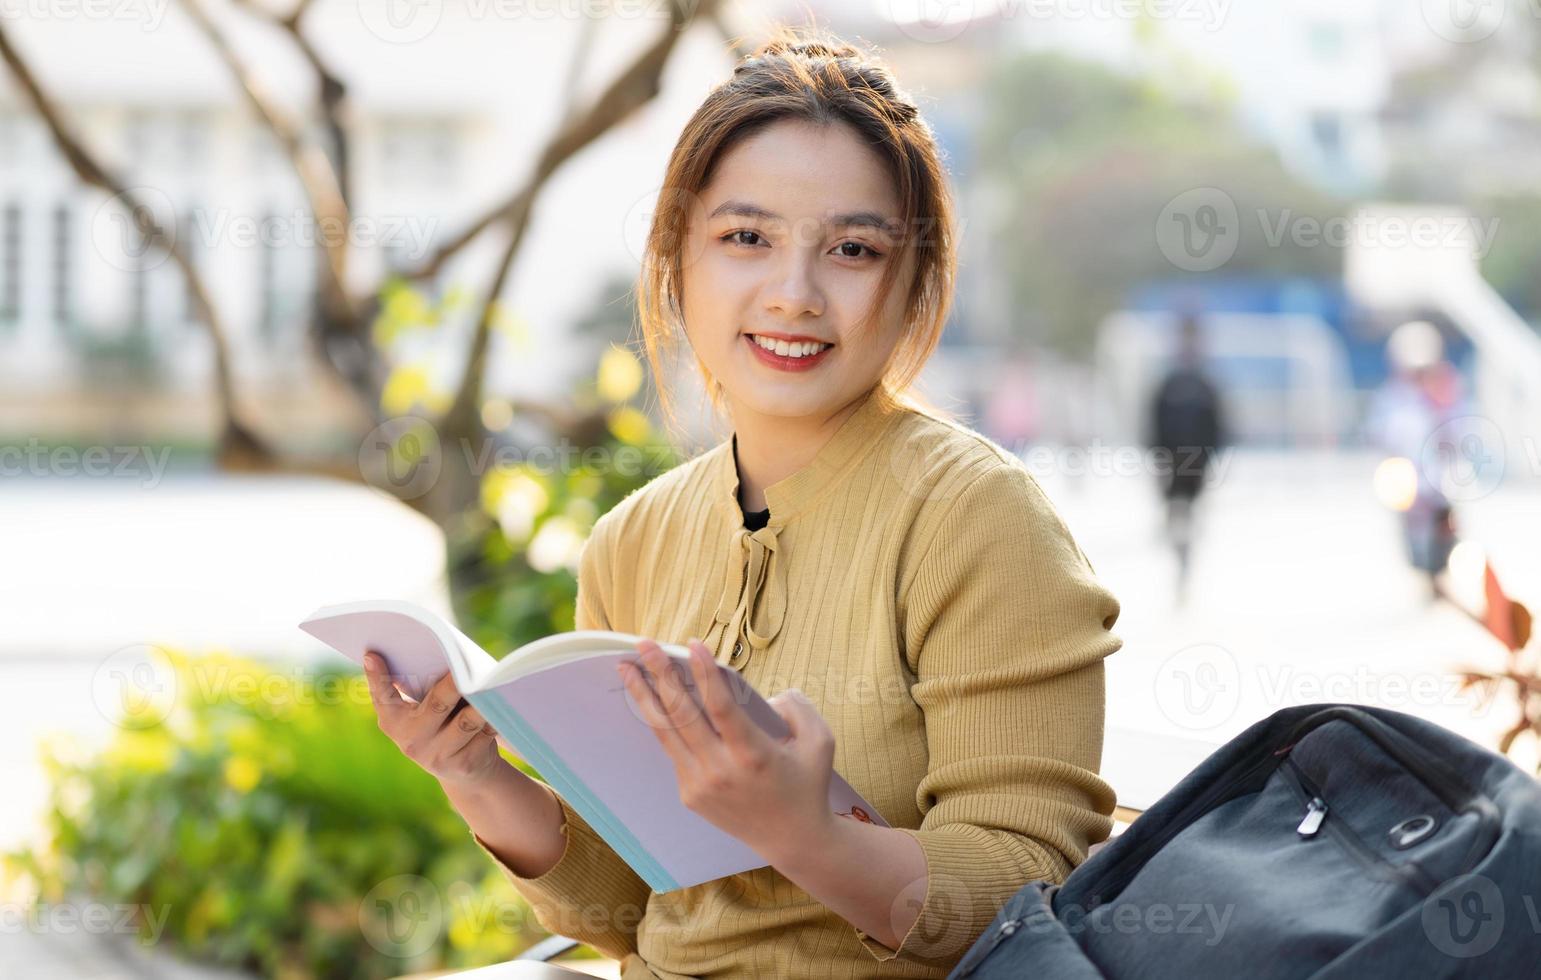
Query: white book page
{"x": 418, "y": 646}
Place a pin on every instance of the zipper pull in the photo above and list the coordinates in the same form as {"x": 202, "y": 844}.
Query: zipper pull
{"x": 1316, "y": 812}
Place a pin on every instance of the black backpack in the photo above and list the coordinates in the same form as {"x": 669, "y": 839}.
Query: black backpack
{"x": 1326, "y": 841}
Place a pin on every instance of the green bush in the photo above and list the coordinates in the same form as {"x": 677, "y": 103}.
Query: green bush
{"x": 262, "y": 820}
{"x": 513, "y": 559}
{"x": 266, "y": 822}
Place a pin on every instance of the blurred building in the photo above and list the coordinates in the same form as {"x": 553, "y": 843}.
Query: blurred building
{"x": 449, "y": 111}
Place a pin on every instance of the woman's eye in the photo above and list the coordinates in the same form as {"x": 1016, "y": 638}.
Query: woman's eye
{"x": 732, "y": 239}
{"x": 746, "y": 238}
{"x": 859, "y": 247}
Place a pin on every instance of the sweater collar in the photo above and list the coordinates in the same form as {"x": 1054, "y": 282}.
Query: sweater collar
{"x": 793, "y": 494}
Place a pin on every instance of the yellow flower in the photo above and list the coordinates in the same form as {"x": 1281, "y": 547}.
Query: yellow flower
{"x": 242, "y": 773}
{"x": 620, "y": 374}
{"x": 629, "y": 425}
{"x": 410, "y": 386}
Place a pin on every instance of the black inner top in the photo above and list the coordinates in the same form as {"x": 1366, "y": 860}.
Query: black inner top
{"x": 755, "y": 519}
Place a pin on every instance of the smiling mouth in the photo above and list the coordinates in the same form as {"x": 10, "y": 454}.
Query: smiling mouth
{"x": 792, "y": 349}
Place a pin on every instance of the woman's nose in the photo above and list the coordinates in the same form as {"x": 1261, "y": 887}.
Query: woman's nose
{"x": 794, "y": 290}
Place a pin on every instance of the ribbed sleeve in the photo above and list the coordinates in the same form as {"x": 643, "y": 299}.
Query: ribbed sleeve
{"x": 591, "y": 894}
{"x": 1006, "y": 629}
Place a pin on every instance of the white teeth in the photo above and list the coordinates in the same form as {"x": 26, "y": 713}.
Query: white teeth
{"x": 801, "y": 349}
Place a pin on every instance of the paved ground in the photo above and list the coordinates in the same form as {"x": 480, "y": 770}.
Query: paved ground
{"x": 1299, "y": 595}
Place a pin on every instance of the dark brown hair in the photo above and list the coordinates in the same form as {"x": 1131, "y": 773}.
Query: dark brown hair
{"x": 806, "y": 75}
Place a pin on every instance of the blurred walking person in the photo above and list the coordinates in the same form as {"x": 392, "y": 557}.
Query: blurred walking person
{"x": 1187, "y": 424}
{"x": 1420, "y": 418}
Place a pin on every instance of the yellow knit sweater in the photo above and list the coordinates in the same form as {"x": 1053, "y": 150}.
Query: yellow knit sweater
{"x": 918, "y": 586}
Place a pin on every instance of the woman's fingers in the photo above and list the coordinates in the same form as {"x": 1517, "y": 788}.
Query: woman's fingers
{"x": 651, "y": 712}
{"x": 466, "y": 727}
{"x": 442, "y": 733}
{"x": 684, "y": 712}
{"x": 437, "y": 704}
{"x": 722, "y": 709}
{"x": 381, "y": 691}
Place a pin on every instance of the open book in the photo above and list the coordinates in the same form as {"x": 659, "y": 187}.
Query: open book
{"x": 561, "y": 705}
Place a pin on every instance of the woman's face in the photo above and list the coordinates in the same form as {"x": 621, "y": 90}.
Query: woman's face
{"x": 786, "y": 247}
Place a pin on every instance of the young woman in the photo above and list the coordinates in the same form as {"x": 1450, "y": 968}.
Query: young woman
{"x": 937, "y": 635}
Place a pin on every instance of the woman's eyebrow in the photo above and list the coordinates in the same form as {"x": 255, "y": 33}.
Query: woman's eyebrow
{"x": 871, "y": 219}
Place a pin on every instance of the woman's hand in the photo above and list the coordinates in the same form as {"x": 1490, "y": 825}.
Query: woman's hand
{"x": 456, "y": 747}
{"x": 773, "y": 794}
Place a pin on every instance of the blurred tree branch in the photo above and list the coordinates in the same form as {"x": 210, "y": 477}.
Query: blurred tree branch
{"x": 344, "y": 317}
{"x": 239, "y": 444}
{"x": 318, "y": 178}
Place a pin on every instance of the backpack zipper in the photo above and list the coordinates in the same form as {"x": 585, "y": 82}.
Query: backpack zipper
{"x": 1410, "y": 874}
{"x": 1452, "y": 789}
{"x": 1316, "y": 812}
{"x": 1445, "y": 784}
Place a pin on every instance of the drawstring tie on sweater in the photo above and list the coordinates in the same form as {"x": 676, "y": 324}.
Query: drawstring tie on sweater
{"x": 754, "y": 596}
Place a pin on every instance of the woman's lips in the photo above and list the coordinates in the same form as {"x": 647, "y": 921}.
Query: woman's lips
{"x": 784, "y": 363}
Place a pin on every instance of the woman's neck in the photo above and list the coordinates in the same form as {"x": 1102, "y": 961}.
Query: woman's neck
{"x": 772, "y": 448}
